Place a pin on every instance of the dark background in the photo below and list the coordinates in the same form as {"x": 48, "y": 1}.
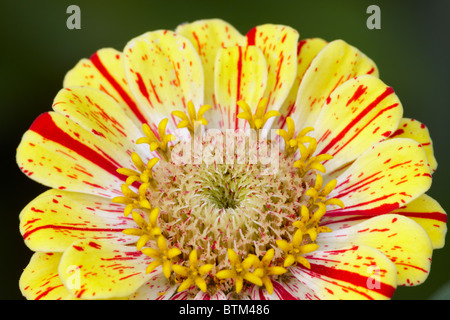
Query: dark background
{"x": 411, "y": 50}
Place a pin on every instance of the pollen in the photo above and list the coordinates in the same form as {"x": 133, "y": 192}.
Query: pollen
{"x": 242, "y": 204}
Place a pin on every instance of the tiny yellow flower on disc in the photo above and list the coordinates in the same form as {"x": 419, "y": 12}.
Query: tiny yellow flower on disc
{"x": 228, "y": 166}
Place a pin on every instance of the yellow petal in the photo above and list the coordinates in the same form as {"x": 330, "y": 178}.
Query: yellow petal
{"x": 279, "y": 44}
{"x": 53, "y": 139}
{"x": 240, "y": 74}
{"x": 105, "y": 71}
{"x": 208, "y": 36}
{"x": 430, "y": 215}
{"x": 106, "y": 270}
{"x": 413, "y": 129}
{"x": 336, "y": 63}
{"x": 52, "y": 221}
{"x": 40, "y": 280}
{"x": 283, "y": 244}
{"x": 354, "y": 273}
{"x": 164, "y": 73}
{"x": 162, "y": 244}
{"x": 307, "y": 50}
{"x": 250, "y": 261}
{"x": 388, "y": 176}
{"x": 358, "y": 114}
{"x": 401, "y": 239}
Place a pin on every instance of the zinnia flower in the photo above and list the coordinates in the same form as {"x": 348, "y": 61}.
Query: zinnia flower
{"x": 332, "y": 206}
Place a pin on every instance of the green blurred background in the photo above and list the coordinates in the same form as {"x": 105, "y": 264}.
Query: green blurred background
{"x": 411, "y": 49}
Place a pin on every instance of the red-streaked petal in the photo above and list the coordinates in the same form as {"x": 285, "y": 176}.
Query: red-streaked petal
{"x": 157, "y": 288}
{"x": 358, "y": 114}
{"x": 164, "y": 73}
{"x": 208, "y": 36}
{"x": 40, "y": 280}
{"x": 288, "y": 288}
{"x": 279, "y": 45}
{"x": 60, "y": 154}
{"x": 240, "y": 74}
{"x": 336, "y": 63}
{"x": 106, "y": 270}
{"x": 424, "y": 210}
{"x": 98, "y": 113}
{"x": 183, "y": 295}
{"x": 384, "y": 178}
{"x": 55, "y": 219}
{"x": 306, "y": 51}
{"x": 430, "y": 215}
{"x": 413, "y": 129}
{"x": 401, "y": 239}
{"x": 105, "y": 71}
{"x": 358, "y": 272}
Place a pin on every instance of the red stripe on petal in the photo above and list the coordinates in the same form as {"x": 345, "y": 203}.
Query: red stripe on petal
{"x": 251, "y": 37}
{"x": 95, "y": 59}
{"x": 352, "y": 278}
{"x": 46, "y": 127}
{"x": 438, "y": 216}
{"x": 358, "y": 93}
{"x": 281, "y": 292}
{"x": 365, "y": 111}
{"x": 382, "y": 209}
{"x": 52, "y": 226}
{"x": 46, "y": 292}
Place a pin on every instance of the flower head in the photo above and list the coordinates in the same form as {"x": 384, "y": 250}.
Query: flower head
{"x": 205, "y": 164}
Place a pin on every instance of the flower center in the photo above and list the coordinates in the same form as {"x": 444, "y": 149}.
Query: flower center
{"x": 220, "y": 196}
{"x": 244, "y": 205}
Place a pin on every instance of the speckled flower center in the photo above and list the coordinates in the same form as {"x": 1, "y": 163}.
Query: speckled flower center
{"x": 242, "y": 197}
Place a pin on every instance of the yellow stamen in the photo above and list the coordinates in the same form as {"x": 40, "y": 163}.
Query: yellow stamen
{"x": 194, "y": 274}
{"x": 133, "y": 200}
{"x": 163, "y": 256}
{"x": 264, "y": 270}
{"x": 306, "y": 225}
{"x": 318, "y": 197}
{"x": 147, "y": 231}
{"x": 145, "y": 174}
{"x": 192, "y": 121}
{"x": 159, "y": 145}
{"x": 307, "y": 160}
{"x": 259, "y": 119}
{"x": 240, "y": 270}
{"x": 291, "y": 142}
{"x": 295, "y": 250}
